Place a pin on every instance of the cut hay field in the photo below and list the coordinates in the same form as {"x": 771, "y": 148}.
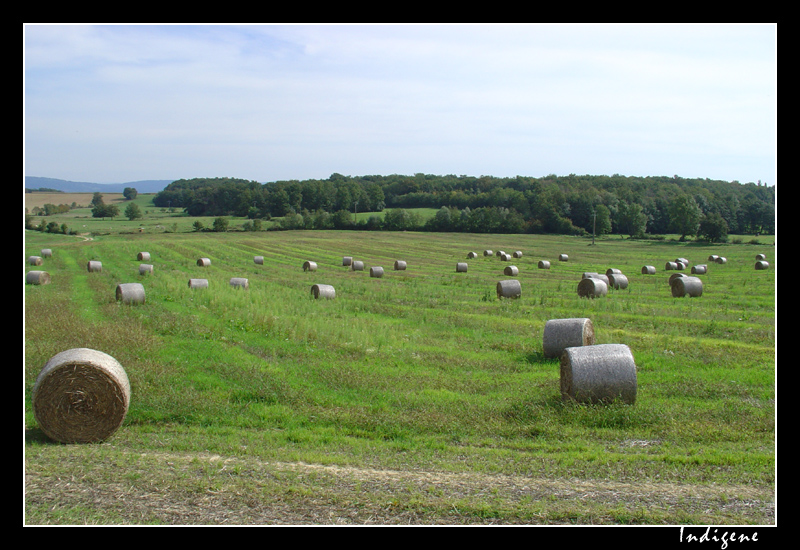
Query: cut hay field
{"x": 418, "y": 397}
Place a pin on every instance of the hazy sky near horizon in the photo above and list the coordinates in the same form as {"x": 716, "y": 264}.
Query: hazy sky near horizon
{"x": 122, "y": 103}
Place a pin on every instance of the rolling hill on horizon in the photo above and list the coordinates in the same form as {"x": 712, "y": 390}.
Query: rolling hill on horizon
{"x": 143, "y": 186}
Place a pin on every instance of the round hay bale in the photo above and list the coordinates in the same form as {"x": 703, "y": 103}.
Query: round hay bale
{"x": 357, "y": 265}
{"x": 323, "y": 291}
{"x": 675, "y": 276}
{"x": 670, "y": 266}
{"x": 713, "y": 258}
{"x": 144, "y": 269}
{"x": 560, "y": 334}
{"x": 592, "y": 287}
{"x": 612, "y": 271}
{"x": 511, "y": 271}
{"x": 683, "y": 261}
{"x": 699, "y": 269}
{"x": 130, "y": 293}
{"x": 761, "y": 264}
{"x": 239, "y": 282}
{"x": 487, "y": 253}
{"x": 347, "y": 260}
{"x": 544, "y": 264}
{"x": 471, "y": 255}
{"x": 721, "y": 260}
{"x": 258, "y": 260}
{"x": 499, "y": 253}
{"x": 517, "y": 254}
{"x": 94, "y": 266}
{"x": 509, "y": 289}
{"x": 505, "y": 257}
{"x": 376, "y": 272}
{"x": 400, "y": 265}
{"x": 618, "y": 281}
{"x": 758, "y": 256}
{"x": 143, "y": 256}
{"x": 81, "y": 396}
{"x": 309, "y": 266}
{"x": 198, "y": 283}
{"x": 686, "y": 286}
{"x": 47, "y": 253}
{"x": 648, "y": 270}
{"x": 204, "y": 262}
{"x": 35, "y": 260}
{"x": 602, "y": 373}
{"x": 680, "y": 266}
{"x": 592, "y": 275}
{"x": 37, "y": 278}
{"x": 563, "y": 258}
{"x": 461, "y": 267}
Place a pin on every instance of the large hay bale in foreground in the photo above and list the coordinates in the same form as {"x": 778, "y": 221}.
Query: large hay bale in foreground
{"x": 686, "y": 286}
{"x": 81, "y": 396}
{"x": 400, "y": 265}
{"x": 601, "y": 373}
{"x": 198, "y": 283}
{"x": 761, "y": 264}
{"x": 560, "y": 334}
{"x": 511, "y": 271}
{"x": 376, "y": 272}
{"x": 239, "y": 282}
{"x": 648, "y": 270}
{"x": 461, "y": 267}
{"x": 309, "y": 266}
{"x": 323, "y": 291}
{"x": 510, "y": 288}
{"x": 35, "y": 260}
{"x": 592, "y": 287}
{"x": 37, "y": 278}
{"x": 130, "y": 293}
{"x": 94, "y": 266}
{"x": 204, "y": 262}
{"x": 143, "y": 256}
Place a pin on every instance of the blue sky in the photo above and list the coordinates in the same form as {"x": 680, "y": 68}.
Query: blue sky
{"x": 121, "y": 103}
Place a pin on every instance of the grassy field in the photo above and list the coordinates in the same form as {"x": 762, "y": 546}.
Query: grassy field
{"x": 418, "y": 397}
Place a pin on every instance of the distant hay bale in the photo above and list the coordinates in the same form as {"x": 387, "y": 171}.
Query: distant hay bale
{"x": 130, "y": 293}
{"x": 400, "y": 265}
{"x": 376, "y": 272}
{"x": 357, "y": 265}
{"x": 94, "y": 266}
{"x": 144, "y": 269}
{"x": 560, "y": 334}
{"x": 258, "y": 260}
{"x": 239, "y": 282}
{"x": 47, "y": 253}
{"x": 612, "y": 271}
{"x": 758, "y": 256}
{"x": 517, "y": 254}
{"x": 37, "y": 278}
{"x": 347, "y": 260}
{"x": 592, "y": 275}
{"x": 699, "y": 269}
{"x": 602, "y": 373}
{"x": 713, "y": 258}
{"x": 35, "y": 260}
{"x": 563, "y": 258}
{"x": 323, "y": 291}
{"x": 461, "y": 267}
{"x": 721, "y": 260}
{"x": 499, "y": 253}
{"x": 309, "y": 266}
{"x": 544, "y": 264}
{"x": 618, "y": 281}
{"x": 511, "y": 270}
{"x": 487, "y": 253}
{"x": 686, "y": 286}
{"x": 143, "y": 256}
{"x": 505, "y": 257}
{"x": 81, "y": 395}
{"x": 198, "y": 283}
{"x": 204, "y": 262}
{"x": 648, "y": 270}
{"x": 592, "y": 287}
{"x": 670, "y": 266}
{"x": 510, "y": 288}
{"x": 680, "y": 265}
{"x": 472, "y": 255}
{"x": 761, "y": 264}
{"x": 683, "y": 261}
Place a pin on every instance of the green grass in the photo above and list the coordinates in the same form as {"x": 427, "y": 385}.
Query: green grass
{"x": 423, "y": 370}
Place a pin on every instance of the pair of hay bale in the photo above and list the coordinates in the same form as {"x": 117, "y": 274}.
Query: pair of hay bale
{"x": 683, "y": 286}
{"x": 131, "y": 293}
{"x": 309, "y": 266}
{"x": 81, "y": 395}
{"x": 198, "y": 283}
{"x": 37, "y": 278}
{"x": 323, "y": 291}
{"x": 674, "y": 266}
{"x": 510, "y": 288}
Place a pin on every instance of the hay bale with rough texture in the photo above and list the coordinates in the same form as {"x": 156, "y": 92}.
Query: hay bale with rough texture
{"x": 511, "y": 271}
{"x": 592, "y": 287}
{"x": 602, "y": 373}
{"x": 47, "y": 253}
{"x": 143, "y": 256}
{"x": 686, "y": 286}
{"x": 376, "y": 272}
{"x": 130, "y": 293}
{"x": 544, "y": 264}
{"x": 563, "y": 258}
{"x": 94, "y": 266}
{"x": 758, "y": 256}
{"x": 400, "y": 265}
{"x": 258, "y": 260}
{"x": 347, "y": 260}
{"x": 517, "y": 254}
{"x": 761, "y": 264}
{"x": 592, "y": 275}
{"x": 510, "y": 288}
{"x": 144, "y": 269}
{"x": 204, "y": 262}
{"x": 323, "y": 291}
{"x": 675, "y": 276}
{"x": 699, "y": 269}
{"x": 198, "y": 283}
{"x": 357, "y": 265}
{"x": 617, "y": 281}
{"x": 560, "y": 334}
{"x": 648, "y": 270}
{"x": 239, "y": 282}
{"x": 487, "y": 253}
{"x": 81, "y": 396}
{"x": 309, "y": 266}
{"x": 670, "y": 266}
{"x": 37, "y": 278}
{"x": 35, "y": 260}
{"x": 461, "y": 267}
{"x": 471, "y": 255}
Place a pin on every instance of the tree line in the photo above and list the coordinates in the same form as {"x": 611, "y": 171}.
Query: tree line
{"x": 573, "y": 204}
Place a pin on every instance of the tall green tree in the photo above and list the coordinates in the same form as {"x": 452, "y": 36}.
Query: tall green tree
{"x": 684, "y": 216}
{"x": 133, "y": 212}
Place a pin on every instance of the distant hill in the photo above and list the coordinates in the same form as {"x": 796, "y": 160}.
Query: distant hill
{"x": 144, "y": 186}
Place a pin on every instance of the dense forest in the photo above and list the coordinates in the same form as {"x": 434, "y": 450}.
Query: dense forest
{"x": 626, "y": 205}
